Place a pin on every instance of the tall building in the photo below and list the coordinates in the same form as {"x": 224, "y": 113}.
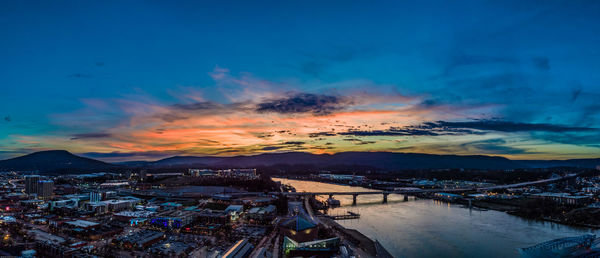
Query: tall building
{"x": 95, "y": 197}
{"x": 45, "y": 188}
{"x": 31, "y": 184}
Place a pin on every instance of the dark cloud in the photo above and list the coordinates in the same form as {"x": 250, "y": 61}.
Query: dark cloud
{"x": 506, "y": 126}
{"x": 425, "y": 129}
{"x": 359, "y": 141}
{"x": 542, "y": 63}
{"x": 294, "y": 143}
{"x": 304, "y": 103}
{"x": 320, "y": 134}
{"x": 80, "y": 75}
{"x": 267, "y": 148}
{"x": 90, "y": 135}
{"x": 264, "y": 135}
{"x": 477, "y": 127}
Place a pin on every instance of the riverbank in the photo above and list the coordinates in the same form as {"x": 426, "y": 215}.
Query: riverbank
{"x": 513, "y": 207}
{"x": 354, "y": 237}
{"x": 447, "y": 230}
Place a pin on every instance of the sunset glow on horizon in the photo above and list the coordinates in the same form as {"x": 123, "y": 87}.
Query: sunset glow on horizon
{"x": 177, "y": 80}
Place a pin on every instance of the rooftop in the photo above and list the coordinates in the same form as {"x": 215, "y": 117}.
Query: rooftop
{"x": 82, "y": 223}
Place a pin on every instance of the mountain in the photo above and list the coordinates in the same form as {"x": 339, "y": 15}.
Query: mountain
{"x": 54, "y": 161}
{"x": 377, "y": 160}
{"x": 583, "y": 163}
{"x": 48, "y": 161}
{"x": 186, "y": 161}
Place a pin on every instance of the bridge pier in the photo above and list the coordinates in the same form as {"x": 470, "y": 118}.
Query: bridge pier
{"x": 385, "y": 195}
{"x": 354, "y": 199}
{"x": 406, "y": 198}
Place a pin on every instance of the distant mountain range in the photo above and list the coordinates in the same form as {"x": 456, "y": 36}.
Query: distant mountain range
{"x": 54, "y": 160}
{"x": 60, "y": 160}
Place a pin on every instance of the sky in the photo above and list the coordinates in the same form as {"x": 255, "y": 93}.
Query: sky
{"x": 129, "y": 80}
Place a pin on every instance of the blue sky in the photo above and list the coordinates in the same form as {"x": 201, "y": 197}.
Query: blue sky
{"x": 102, "y": 78}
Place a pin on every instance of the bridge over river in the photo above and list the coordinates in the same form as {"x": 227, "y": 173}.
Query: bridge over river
{"x": 405, "y": 191}
{"x": 412, "y": 190}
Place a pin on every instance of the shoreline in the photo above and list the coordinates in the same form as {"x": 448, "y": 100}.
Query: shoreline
{"x": 509, "y": 209}
{"x": 360, "y": 241}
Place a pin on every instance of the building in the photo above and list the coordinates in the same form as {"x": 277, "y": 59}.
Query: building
{"x": 167, "y": 206}
{"x": 95, "y": 197}
{"x": 301, "y": 238}
{"x": 82, "y": 224}
{"x": 563, "y": 198}
{"x": 67, "y": 203}
{"x": 174, "y": 219}
{"x": 342, "y": 177}
{"x": 129, "y": 216}
{"x": 171, "y": 249}
{"x": 240, "y": 249}
{"x": 213, "y": 217}
{"x": 114, "y": 184}
{"x": 201, "y": 172}
{"x": 31, "y": 184}
{"x": 45, "y": 189}
{"x": 140, "y": 240}
{"x": 96, "y": 207}
{"x": 447, "y": 196}
{"x": 263, "y": 214}
{"x": 234, "y": 211}
{"x": 248, "y": 173}
{"x": 119, "y": 205}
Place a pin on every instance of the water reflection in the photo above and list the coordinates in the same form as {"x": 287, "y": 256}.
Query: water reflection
{"x": 430, "y": 228}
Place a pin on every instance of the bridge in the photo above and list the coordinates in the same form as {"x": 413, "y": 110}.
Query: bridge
{"x": 412, "y": 190}
{"x": 559, "y": 247}
{"x": 537, "y": 182}
{"x": 405, "y": 191}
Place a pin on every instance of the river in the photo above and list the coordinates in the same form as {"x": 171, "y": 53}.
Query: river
{"x": 429, "y": 228}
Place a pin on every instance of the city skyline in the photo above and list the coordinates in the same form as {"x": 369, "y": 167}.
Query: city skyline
{"x": 143, "y": 82}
